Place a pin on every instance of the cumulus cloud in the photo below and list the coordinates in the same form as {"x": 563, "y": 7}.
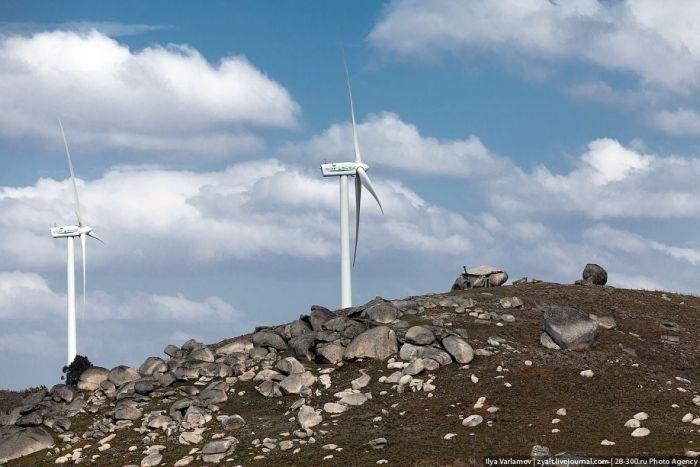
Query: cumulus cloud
{"x": 388, "y": 141}
{"x": 161, "y": 99}
{"x": 679, "y": 122}
{"x": 655, "y": 41}
{"x": 28, "y": 296}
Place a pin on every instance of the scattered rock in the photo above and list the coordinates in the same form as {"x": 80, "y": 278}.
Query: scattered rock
{"x": 473, "y": 420}
{"x": 569, "y": 328}
{"x": 378, "y": 343}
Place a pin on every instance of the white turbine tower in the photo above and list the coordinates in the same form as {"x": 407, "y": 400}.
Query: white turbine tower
{"x": 69, "y": 232}
{"x": 344, "y": 169}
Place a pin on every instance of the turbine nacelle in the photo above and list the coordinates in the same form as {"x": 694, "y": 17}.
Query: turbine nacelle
{"x": 70, "y": 231}
{"x": 337, "y": 169}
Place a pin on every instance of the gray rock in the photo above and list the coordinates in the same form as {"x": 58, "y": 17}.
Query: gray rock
{"x": 19, "y": 442}
{"x": 411, "y": 352}
{"x": 570, "y": 328}
{"x": 213, "y": 396}
{"x": 152, "y": 365}
{"x": 151, "y": 460}
{"x": 482, "y": 276}
{"x": 157, "y": 421}
{"x": 127, "y": 412}
{"x": 172, "y": 351}
{"x": 202, "y": 354}
{"x": 378, "y": 343}
{"x": 302, "y": 347}
{"x": 91, "y": 378}
{"x": 460, "y": 350}
{"x": 334, "y": 408}
{"x": 511, "y": 302}
{"x": 547, "y": 342}
{"x": 62, "y": 393}
{"x": 318, "y": 316}
{"x": 353, "y": 398}
{"x": 594, "y": 274}
{"x": 122, "y": 374}
{"x": 269, "y": 389}
{"x": 383, "y": 312}
{"x": 354, "y": 329}
{"x": 220, "y": 446}
{"x": 377, "y": 443}
{"x": 191, "y": 344}
{"x": 420, "y": 335}
{"x": 269, "y": 339}
{"x": 330, "y": 353}
{"x": 290, "y": 365}
{"x": 30, "y": 419}
{"x": 339, "y": 323}
{"x": 232, "y": 423}
{"x": 166, "y": 379}
{"x": 144, "y": 386}
{"x": 296, "y": 382}
{"x": 538, "y": 451}
{"x": 57, "y": 423}
{"x": 238, "y": 345}
{"x": 308, "y": 418}
{"x": 416, "y": 367}
{"x": 297, "y": 328}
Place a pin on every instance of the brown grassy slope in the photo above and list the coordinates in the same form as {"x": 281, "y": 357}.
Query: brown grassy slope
{"x": 634, "y": 371}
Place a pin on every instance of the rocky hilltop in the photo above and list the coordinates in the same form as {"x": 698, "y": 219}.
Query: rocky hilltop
{"x": 533, "y": 369}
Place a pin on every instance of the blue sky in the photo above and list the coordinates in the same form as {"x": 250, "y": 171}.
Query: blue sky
{"x": 532, "y": 136}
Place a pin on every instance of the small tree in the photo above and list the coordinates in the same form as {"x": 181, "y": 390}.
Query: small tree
{"x": 75, "y": 369}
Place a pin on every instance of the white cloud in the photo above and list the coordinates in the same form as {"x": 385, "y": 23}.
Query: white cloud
{"x": 680, "y": 122}
{"x": 656, "y": 41}
{"x": 159, "y": 99}
{"x": 386, "y": 140}
{"x": 27, "y": 296}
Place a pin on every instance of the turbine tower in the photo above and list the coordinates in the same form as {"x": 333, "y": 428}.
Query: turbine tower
{"x": 69, "y": 232}
{"x": 358, "y": 169}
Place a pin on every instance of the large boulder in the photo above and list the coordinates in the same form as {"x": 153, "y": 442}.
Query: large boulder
{"x": 302, "y": 347}
{"x": 383, "y": 312}
{"x": 153, "y": 365}
{"x": 91, "y": 378}
{"x": 570, "y": 328}
{"x": 318, "y": 316}
{"x": 239, "y": 345}
{"x": 378, "y": 343}
{"x": 482, "y": 276}
{"x": 19, "y": 442}
{"x": 295, "y": 383}
{"x": 269, "y": 339}
{"x": 420, "y": 335}
{"x": 202, "y": 354}
{"x": 460, "y": 350}
{"x": 122, "y": 374}
{"x": 594, "y": 274}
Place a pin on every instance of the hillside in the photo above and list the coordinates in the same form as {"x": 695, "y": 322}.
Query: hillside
{"x": 474, "y": 379}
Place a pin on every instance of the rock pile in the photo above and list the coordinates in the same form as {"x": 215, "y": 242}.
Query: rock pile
{"x": 482, "y": 276}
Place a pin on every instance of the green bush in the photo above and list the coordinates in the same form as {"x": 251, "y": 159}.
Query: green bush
{"x": 75, "y": 369}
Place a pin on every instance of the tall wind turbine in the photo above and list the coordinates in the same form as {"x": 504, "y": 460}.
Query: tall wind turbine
{"x": 358, "y": 169}
{"x": 69, "y": 232}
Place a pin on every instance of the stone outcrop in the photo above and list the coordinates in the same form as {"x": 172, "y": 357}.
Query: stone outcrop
{"x": 480, "y": 277}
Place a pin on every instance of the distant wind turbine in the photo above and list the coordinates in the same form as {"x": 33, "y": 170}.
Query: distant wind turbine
{"x": 344, "y": 169}
{"x": 69, "y": 232}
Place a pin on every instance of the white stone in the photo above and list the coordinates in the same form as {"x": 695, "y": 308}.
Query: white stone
{"x": 449, "y": 436}
{"x": 640, "y": 432}
{"x": 606, "y": 442}
{"x": 641, "y": 416}
{"x": 480, "y": 402}
{"x": 555, "y": 421}
{"x": 687, "y": 418}
{"x": 528, "y": 363}
{"x": 492, "y": 409}
{"x": 474, "y": 378}
{"x": 633, "y": 423}
{"x": 587, "y": 373}
{"x": 561, "y": 412}
{"x": 473, "y": 420}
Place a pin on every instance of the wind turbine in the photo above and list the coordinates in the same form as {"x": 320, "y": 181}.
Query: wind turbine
{"x": 69, "y": 232}
{"x": 358, "y": 169}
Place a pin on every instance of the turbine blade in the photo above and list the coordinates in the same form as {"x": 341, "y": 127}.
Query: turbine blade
{"x": 358, "y": 196}
{"x": 82, "y": 244}
{"x": 72, "y": 177}
{"x": 352, "y": 114}
{"x": 364, "y": 179}
{"x": 92, "y": 234}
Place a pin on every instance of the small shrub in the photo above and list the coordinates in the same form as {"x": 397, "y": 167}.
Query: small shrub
{"x": 75, "y": 369}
